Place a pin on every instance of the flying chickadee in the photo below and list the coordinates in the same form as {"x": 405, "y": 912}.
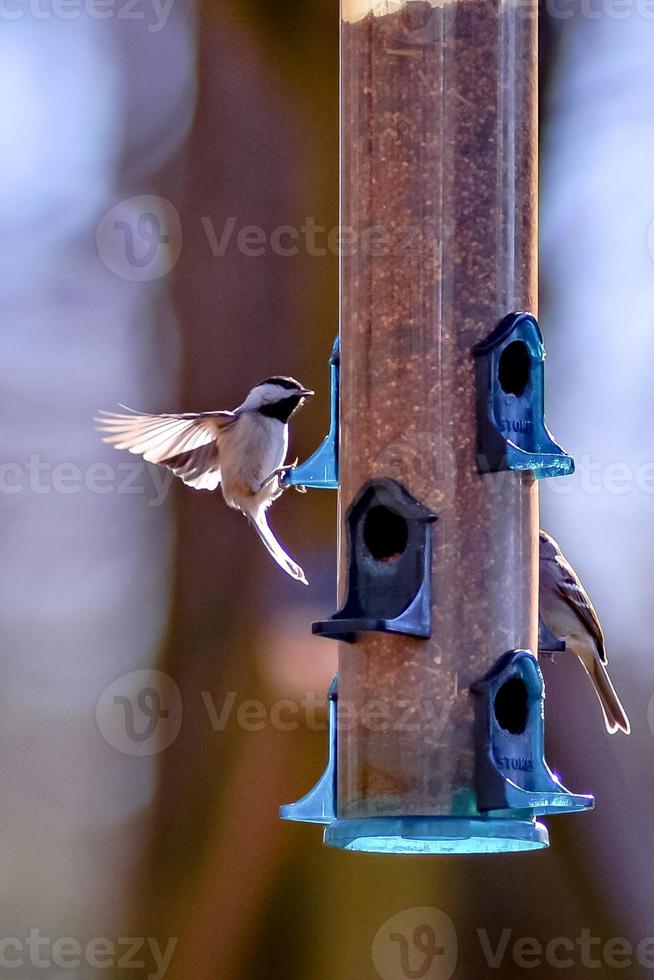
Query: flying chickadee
{"x": 243, "y": 451}
{"x": 568, "y": 612}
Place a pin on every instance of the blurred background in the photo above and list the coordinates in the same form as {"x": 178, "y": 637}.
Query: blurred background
{"x": 161, "y": 695}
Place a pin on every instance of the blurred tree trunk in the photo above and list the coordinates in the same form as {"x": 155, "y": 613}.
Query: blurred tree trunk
{"x": 85, "y": 580}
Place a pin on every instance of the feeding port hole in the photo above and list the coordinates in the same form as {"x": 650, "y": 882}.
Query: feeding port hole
{"x": 515, "y": 368}
{"x": 511, "y": 706}
{"x": 385, "y": 534}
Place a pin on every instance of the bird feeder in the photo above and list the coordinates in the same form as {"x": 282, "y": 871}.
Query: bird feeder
{"x": 436, "y": 731}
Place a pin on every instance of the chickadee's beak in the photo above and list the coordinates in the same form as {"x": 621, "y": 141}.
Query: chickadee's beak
{"x": 305, "y": 392}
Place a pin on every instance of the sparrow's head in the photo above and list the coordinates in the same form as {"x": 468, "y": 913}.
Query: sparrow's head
{"x": 548, "y": 546}
{"x": 277, "y": 397}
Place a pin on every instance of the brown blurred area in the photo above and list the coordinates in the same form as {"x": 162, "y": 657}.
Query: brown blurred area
{"x": 264, "y": 149}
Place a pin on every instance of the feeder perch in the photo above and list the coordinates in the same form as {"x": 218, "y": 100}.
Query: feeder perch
{"x": 319, "y": 805}
{"x": 512, "y": 434}
{"x": 547, "y": 642}
{"x": 389, "y": 566}
{"x": 511, "y": 773}
{"x": 320, "y": 471}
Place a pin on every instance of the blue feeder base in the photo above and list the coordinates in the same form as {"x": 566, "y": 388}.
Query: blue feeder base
{"x": 437, "y": 835}
{"x": 487, "y": 834}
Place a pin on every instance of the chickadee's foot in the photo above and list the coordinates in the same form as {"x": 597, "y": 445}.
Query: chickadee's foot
{"x": 299, "y": 487}
{"x": 279, "y": 472}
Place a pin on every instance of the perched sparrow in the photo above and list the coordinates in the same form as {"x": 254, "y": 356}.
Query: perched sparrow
{"x": 243, "y": 451}
{"x": 568, "y": 612}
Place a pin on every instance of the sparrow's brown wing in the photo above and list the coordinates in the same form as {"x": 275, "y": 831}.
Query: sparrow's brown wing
{"x": 188, "y": 444}
{"x": 573, "y": 592}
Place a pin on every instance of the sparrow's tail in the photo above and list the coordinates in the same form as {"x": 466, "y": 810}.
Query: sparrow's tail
{"x": 274, "y": 548}
{"x": 614, "y": 714}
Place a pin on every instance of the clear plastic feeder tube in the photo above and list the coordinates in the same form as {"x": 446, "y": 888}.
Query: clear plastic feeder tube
{"x": 439, "y": 194}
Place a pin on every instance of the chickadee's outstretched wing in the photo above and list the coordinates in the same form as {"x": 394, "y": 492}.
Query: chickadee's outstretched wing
{"x": 188, "y": 444}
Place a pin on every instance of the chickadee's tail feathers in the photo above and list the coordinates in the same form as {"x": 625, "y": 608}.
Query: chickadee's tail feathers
{"x": 614, "y": 714}
{"x": 274, "y": 548}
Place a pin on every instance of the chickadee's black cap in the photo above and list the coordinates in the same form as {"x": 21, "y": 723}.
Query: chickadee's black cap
{"x": 289, "y": 383}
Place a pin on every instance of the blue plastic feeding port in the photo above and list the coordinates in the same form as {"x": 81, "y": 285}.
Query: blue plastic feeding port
{"x": 484, "y": 834}
{"x": 389, "y": 565}
{"x": 511, "y": 430}
{"x": 320, "y": 471}
{"x": 319, "y": 805}
{"x": 511, "y": 772}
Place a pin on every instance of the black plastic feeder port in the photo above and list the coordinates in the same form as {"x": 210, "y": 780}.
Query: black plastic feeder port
{"x": 511, "y": 772}
{"x": 511, "y": 430}
{"x": 389, "y": 567}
